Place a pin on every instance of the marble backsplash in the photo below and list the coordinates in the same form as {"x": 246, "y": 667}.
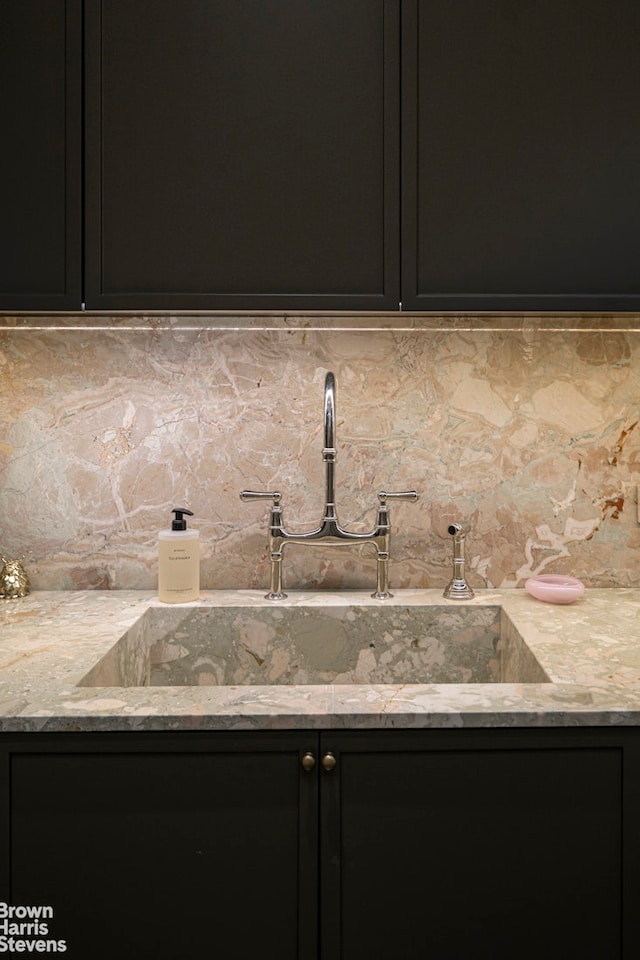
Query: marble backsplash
{"x": 527, "y": 428}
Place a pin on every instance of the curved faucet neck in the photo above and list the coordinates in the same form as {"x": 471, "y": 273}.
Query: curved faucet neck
{"x": 329, "y": 418}
{"x": 329, "y": 451}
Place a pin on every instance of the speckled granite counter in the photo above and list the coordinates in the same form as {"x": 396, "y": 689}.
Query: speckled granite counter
{"x": 51, "y": 641}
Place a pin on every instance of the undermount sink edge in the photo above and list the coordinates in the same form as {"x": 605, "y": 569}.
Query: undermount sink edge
{"x": 360, "y": 644}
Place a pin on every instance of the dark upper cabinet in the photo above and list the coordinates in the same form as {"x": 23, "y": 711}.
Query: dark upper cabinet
{"x": 242, "y": 155}
{"x": 521, "y": 155}
{"x": 41, "y": 154}
{"x": 305, "y": 155}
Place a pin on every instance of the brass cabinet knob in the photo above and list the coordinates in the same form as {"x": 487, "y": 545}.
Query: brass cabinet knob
{"x": 308, "y": 762}
{"x": 329, "y": 762}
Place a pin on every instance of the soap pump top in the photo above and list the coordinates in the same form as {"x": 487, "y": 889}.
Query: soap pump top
{"x": 179, "y": 523}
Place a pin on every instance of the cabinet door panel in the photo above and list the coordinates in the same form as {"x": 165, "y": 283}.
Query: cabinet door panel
{"x": 493, "y": 853}
{"x": 168, "y": 854}
{"x": 40, "y": 159}
{"x": 242, "y": 154}
{"x": 521, "y": 155}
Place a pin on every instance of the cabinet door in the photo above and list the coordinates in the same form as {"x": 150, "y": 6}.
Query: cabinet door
{"x": 40, "y": 158}
{"x": 179, "y": 846}
{"x": 242, "y": 155}
{"x": 495, "y": 846}
{"x": 521, "y": 155}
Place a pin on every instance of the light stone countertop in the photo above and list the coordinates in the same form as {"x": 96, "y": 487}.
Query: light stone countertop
{"x": 49, "y": 641}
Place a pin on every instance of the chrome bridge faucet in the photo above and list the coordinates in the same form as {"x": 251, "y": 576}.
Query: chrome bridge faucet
{"x": 329, "y": 531}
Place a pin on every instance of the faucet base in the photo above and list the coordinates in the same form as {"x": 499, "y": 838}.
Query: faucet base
{"x": 458, "y": 590}
{"x": 278, "y": 595}
{"x": 382, "y": 595}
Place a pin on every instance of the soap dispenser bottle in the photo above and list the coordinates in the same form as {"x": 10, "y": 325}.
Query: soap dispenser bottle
{"x": 179, "y": 561}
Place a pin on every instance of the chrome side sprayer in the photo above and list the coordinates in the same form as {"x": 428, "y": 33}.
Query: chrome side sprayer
{"x": 458, "y": 588}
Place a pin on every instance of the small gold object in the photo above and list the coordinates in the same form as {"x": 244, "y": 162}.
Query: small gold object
{"x": 14, "y": 582}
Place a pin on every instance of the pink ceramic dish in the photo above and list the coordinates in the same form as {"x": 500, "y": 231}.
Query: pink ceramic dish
{"x": 554, "y": 588}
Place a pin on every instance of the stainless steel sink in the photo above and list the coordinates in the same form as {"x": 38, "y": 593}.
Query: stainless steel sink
{"x": 368, "y": 644}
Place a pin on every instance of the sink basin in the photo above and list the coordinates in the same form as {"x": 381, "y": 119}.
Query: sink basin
{"x": 362, "y": 644}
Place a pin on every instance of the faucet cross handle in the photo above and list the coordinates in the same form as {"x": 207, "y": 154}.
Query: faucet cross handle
{"x": 275, "y": 527}
{"x": 382, "y": 536}
{"x": 274, "y": 495}
{"x": 410, "y": 495}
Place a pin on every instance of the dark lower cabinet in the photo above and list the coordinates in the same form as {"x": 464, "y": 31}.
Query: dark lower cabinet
{"x": 165, "y": 847}
{"x": 403, "y": 844}
{"x": 490, "y": 845}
